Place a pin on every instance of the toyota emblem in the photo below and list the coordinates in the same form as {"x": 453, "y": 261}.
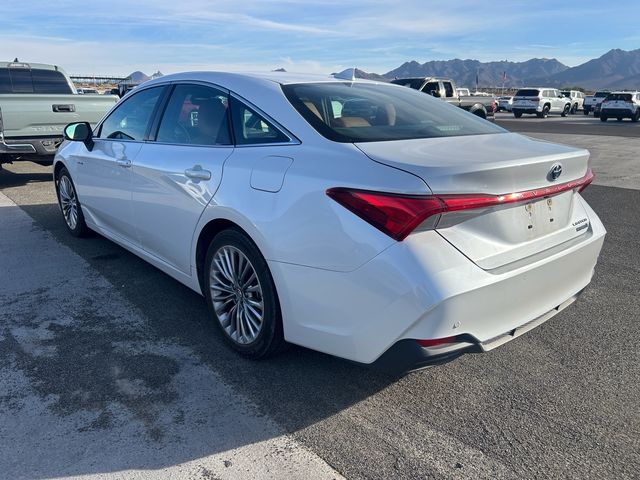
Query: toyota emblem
{"x": 555, "y": 172}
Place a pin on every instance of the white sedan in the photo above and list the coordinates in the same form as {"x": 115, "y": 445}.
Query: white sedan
{"x": 360, "y": 219}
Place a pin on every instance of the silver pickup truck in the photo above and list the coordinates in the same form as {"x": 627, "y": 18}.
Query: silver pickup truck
{"x": 36, "y": 102}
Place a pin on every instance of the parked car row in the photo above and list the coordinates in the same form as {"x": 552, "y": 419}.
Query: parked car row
{"x": 544, "y": 101}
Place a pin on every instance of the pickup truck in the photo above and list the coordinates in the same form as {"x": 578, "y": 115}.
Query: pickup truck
{"x": 592, "y": 101}
{"x": 36, "y": 102}
{"x": 444, "y": 88}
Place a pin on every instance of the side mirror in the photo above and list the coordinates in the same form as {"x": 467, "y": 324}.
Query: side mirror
{"x": 79, "y": 132}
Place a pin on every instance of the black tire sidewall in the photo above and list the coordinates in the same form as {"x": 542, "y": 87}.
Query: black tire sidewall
{"x": 270, "y": 339}
{"x": 81, "y": 226}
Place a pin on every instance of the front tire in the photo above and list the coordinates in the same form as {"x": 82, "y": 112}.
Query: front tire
{"x": 566, "y": 110}
{"x": 69, "y": 204}
{"x": 603, "y": 119}
{"x": 242, "y": 296}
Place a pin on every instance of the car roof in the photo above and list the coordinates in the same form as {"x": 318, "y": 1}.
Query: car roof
{"x": 223, "y": 78}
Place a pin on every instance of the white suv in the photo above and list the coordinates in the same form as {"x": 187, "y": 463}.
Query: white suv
{"x": 540, "y": 101}
{"x": 621, "y": 105}
{"x": 577, "y": 99}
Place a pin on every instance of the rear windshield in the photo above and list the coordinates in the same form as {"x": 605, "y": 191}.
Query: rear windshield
{"x": 26, "y": 80}
{"x": 528, "y": 92}
{"x": 361, "y": 112}
{"x": 601, "y": 94}
{"x": 414, "y": 83}
{"x": 625, "y": 97}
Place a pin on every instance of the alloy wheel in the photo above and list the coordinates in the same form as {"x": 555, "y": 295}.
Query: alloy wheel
{"x": 236, "y": 295}
{"x": 68, "y": 201}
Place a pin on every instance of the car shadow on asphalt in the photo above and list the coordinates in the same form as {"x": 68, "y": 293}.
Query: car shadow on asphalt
{"x": 14, "y": 179}
{"x": 297, "y": 389}
{"x": 313, "y": 396}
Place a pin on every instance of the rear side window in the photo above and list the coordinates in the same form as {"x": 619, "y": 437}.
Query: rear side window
{"x": 5, "y": 81}
{"x": 21, "y": 81}
{"x": 196, "y": 115}
{"x": 527, "y": 92}
{"x": 25, "y": 80}
{"x": 250, "y": 128}
{"x": 129, "y": 121}
{"x": 49, "y": 81}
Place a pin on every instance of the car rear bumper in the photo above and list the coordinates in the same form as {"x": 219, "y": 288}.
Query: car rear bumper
{"x": 424, "y": 288}
{"x": 41, "y": 146}
{"x": 516, "y": 108}
{"x": 617, "y": 112}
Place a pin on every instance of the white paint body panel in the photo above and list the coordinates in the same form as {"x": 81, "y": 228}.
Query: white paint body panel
{"x": 346, "y": 288}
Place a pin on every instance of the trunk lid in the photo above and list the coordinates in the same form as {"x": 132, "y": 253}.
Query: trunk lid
{"x": 496, "y": 164}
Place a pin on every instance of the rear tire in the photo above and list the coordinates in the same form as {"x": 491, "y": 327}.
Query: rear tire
{"x": 636, "y": 116}
{"x": 544, "y": 113}
{"x": 517, "y": 114}
{"x": 603, "y": 119}
{"x": 69, "y": 204}
{"x": 585, "y": 112}
{"x": 574, "y": 109}
{"x": 242, "y": 296}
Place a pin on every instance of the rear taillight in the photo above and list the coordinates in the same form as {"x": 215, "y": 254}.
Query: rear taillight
{"x": 398, "y": 215}
{"x": 395, "y": 215}
{"x": 535, "y": 99}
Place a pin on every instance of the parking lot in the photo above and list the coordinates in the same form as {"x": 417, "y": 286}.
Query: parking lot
{"x": 109, "y": 367}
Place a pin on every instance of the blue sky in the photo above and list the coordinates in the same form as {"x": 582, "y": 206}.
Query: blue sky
{"x": 118, "y": 36}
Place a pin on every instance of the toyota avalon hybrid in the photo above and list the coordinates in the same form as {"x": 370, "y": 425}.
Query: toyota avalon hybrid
{"x": 361, "y": 219}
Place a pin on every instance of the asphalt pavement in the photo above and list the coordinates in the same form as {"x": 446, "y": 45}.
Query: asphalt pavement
{"x": 561, "y": 401}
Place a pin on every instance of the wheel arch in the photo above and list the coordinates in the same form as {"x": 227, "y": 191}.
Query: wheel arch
{"x": 479, "y": 110}
{"x": 209, "y": 228}
{"x": 57, "y": 166}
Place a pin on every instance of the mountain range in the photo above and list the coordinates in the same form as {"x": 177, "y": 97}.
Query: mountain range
{"x": 616, "y": 69}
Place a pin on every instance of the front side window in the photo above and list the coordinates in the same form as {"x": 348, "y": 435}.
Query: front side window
{"x": 129, "y": 121}
{"x": 377, "y": 112}
{"x": 431, "y": 87}
{"x": 196, "y": 115}
{"x": 250, "y": 128}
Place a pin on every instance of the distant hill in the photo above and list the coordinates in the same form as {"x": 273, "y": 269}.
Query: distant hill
{"x": 463, "y": 72}
{"x": 138, "y": 77}
{"x": 616, "y": 69}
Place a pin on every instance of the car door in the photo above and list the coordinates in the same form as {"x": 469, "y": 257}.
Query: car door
{"x": 177, "y": 172}
{"x": 104, "y": 173}
{"x": 559, "y": 100}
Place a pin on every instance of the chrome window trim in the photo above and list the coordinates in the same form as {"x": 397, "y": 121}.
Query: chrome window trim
{"x": 293, "y": 140}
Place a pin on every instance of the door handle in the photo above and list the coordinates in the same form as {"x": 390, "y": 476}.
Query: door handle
{"x": 197, "y": 173}
{"x": 123, "y": 162}
{"x": 63, "y": 108}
